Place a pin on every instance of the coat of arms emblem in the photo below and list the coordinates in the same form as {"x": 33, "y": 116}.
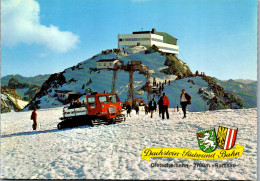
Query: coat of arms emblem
{"x": 207, "y": 140}
{"x": 226, "y": 137}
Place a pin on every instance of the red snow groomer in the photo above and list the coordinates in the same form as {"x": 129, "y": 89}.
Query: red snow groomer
{"x": 100, "y": 108}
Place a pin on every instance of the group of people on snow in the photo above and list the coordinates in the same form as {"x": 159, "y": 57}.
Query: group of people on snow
{"x": 163, "y": 105}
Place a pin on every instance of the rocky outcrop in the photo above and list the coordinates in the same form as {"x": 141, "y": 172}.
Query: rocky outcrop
{"x": 176, "y": 67}
{"x": 7, "y": 104}
{"x": 31, "y": 92}
{"x": 222, "y": 98}
{"x": 14, "y": 83}
{"x": 54, "y": 81}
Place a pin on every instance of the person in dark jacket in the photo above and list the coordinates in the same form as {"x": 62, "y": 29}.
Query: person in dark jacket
{"x": 152, "y": 106}
{"x": 128, "y": 110}
{"x": 185, "y": 99}
{"x": 146, "y": 109}
{"x": 160, "y": 105}
{"x": 72, "y": 104}
{"x": 137, "y": 107}
{"x": 34, "y": 118}
{"x": 166, "y": 105}
{"x": 78, "y": 103}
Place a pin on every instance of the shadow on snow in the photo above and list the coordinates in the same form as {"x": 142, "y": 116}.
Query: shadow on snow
{"x": 38, "y": 132}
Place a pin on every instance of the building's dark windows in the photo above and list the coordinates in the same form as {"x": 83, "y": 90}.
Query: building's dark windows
{"x": 135, "y": 39}
{"x": 155, "y": 39}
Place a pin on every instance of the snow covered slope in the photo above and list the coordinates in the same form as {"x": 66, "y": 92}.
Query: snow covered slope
{"x": 114, "y": 151}
{"x": 85, "y": 76}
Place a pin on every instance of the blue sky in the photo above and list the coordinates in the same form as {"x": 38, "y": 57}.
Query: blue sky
{"x": 46, "y": 36}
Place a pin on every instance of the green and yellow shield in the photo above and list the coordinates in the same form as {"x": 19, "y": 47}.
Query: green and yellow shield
{"x": 207, "y": 140}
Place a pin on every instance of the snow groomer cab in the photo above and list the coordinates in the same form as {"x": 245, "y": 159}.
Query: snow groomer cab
{"x": 100, "y": 109}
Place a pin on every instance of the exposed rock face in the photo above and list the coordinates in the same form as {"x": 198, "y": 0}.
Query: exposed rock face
{"x": 29, "y": 94}
{"x": 11, "y": 92}
{"x": 222, "y": 99}
{"x": 176, "y": 67}
{"x": 54, "y": 81}
{"x": 32, "y": 91}
{"x": 5, "y": 106}
{"x": 6, "y": 103}
{"x": 13, "y": 82}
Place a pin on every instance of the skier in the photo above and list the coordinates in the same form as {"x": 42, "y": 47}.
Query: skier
{"x": 185, "y": 99}
{"x": 165, "y": 106}
{"x": 34, "y": 118}
{"x": 129, "y": 109}
{"x": 169, "y": 82}
{"x": 152, "y": 106}
{"x": 160, "y": 104}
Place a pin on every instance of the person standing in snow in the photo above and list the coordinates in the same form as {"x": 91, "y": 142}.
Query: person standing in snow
{"x": 146, "y": 109}
{"x": 185, "y": 100}
{"x": 137, "y": 107}
{"x": 34, "y": 118}
{"x": 128, "y": 110}
{"x": 160, "y": 105}
{"x": 166, "y": 105}
{"x": 152, "y": 106}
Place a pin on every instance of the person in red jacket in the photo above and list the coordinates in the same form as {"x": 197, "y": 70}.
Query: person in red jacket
{"x": 34, "y": 118}
{"x": 166, "y": 104}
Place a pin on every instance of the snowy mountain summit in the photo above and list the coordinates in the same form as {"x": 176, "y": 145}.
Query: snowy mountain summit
{"x": 85, "y": 77}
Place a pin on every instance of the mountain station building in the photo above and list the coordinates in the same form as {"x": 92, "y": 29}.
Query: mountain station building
{"x": 164, "y": 41}
{"x": 108, "y": 63}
